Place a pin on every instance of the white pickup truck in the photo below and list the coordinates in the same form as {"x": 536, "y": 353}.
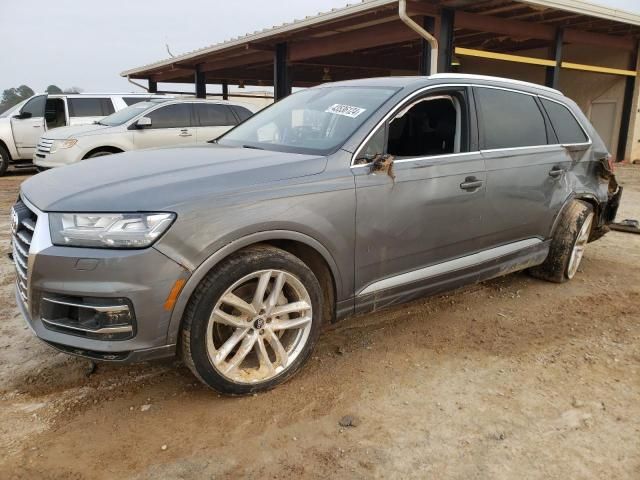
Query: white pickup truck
{"x": 22, "y": 125}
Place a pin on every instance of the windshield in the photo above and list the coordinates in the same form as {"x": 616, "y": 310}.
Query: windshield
{"x": 314, "y": 121}
{"x": 126, "y": 114}
{"x": 13, "y": 109}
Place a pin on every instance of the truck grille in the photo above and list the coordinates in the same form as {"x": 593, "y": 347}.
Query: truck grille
{"x": 23, "y": 224}
{"x": 44, "y": 146}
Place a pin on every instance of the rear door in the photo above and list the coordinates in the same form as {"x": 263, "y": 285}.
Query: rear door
{"x": 213, "y": 119}
{"x": 429, "y": 207}
{"x": 87, "y": 110}
{"x": 170, "y": 125}
{"x": 28, "y": 125}
{"x": 526, "y": 165}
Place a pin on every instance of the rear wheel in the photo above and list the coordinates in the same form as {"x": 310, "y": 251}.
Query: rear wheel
{"x": 252, "y": 322}
{"x": 568, "y": 244}
{"x": 4, "y": 160}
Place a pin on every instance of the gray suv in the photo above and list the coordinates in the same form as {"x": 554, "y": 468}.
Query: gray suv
{"x": 338, "y": 200}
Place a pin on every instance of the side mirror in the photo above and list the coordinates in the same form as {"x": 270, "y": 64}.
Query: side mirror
{"x": 23, "y": 115}
{"x": 143, "y": 122}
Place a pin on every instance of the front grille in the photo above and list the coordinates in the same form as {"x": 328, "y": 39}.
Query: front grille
{"x": 23, "y": 224}
{"x": 44, "y": 146}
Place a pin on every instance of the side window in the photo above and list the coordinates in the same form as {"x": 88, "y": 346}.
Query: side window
{"x": 177, "y": 115}
{"x": 214, "y": 115}
{"x": 90, "y": 107}
{"x": 509, "y": 119}
{"x": 133, "y": 100}
{"x": 243, "y": 113}
{"x": 564, "y": 123}
{"x": 427, "y": 127}
{"x": 107, "y": 106}
{"x": 374, "y": 147}
{"x": 35, "y": 106}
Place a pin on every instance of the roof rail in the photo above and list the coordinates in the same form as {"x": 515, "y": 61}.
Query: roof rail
{"x": 496, "y": 79}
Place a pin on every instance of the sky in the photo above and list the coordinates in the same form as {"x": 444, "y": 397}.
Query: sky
{"x": 87, "y": 43}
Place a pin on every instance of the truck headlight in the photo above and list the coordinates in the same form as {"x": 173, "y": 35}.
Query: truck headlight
{"x": 63, "y": 144}
{"x": 108, "y": 230}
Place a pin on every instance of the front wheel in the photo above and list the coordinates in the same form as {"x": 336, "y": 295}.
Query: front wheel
{"x": 568, "y": 244}
{"x": 252, "y": 322}
{"x": 4, "y": 160}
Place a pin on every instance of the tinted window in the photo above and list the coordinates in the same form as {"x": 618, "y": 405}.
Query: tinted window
{"x": 171, "y": 116}
{"x": 214, "y": 115}
{"x": 90, "y": 107}
{"x": 132, "y": 100}
{"x": 243, "y": 113}
{"x": 509, "y": 119}
{"x": 564, "y": 123}
{"x": 35, "y": 106}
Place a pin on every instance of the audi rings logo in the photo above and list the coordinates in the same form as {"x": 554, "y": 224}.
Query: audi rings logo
{"x": 14, "y": 221}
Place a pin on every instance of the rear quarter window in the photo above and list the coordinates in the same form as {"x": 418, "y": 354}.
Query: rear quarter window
{"x": 564, "y": 123}
{"x": 241, "y": 112}
{"x": 509, "y": 119}
{"x": 90, "y": 107}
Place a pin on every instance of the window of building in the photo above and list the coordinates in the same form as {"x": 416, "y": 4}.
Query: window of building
{"x": 509, "y": 119}
{"x": 564, "y": 123}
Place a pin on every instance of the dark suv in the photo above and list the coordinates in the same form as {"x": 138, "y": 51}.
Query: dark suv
{"x": 340, "y": 199}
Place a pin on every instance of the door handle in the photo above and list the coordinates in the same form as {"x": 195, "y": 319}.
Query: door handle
{"x": 556, "y": 172}
{"x": 471, "y": 183}
{"x": 185, "y": 133}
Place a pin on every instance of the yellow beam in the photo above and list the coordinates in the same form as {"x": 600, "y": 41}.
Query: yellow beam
{"x": 593, "y": 68}
{"x": 470, "y": 52}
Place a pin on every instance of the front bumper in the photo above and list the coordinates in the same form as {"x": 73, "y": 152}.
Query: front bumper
{"x": 143, "y": 277}
{"x": 44, "y": 158}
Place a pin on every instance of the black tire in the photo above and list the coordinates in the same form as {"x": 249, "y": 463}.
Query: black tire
{"x": 99, "y": 153}
{"x": 193, "y": 338}
{"x": 5, "y": 158}
{"x": 555, "y": 267}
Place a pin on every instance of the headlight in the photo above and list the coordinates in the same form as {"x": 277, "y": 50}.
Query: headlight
{"x": 108, "y": 230}
{"x": 63, "y": 144}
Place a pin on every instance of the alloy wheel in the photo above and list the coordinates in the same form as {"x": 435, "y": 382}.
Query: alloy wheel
{"x": 259, "y": 326}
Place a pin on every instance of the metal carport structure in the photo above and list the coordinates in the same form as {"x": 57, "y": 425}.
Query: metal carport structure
{"x": 369, "y": 39}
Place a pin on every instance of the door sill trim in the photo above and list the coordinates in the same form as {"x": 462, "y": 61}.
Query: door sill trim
{"x": 448, "y": 266}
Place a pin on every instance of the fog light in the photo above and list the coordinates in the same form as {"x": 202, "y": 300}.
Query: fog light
{"x": 96, "y": 318}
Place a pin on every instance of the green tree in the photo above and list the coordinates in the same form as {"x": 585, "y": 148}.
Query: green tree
{"x": 53, "y": 89}
{"x": 13, "y": 96}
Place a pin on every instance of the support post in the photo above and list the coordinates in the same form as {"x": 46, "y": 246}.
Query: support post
{"x": 225, "y": 90}
{"x": 445, "y": 40}
{"x": 281, "y": 85}
{"x": 628, "y": 107}
{"x": 153, "y": 86}
{"x": 552, "y": 78}
{"x": 429, "y": 24}
{"x": 201, "y": 83}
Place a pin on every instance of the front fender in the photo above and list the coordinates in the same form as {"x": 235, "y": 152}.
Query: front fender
{"x": 201, "y": 271}
{"x": 6, "y": 137}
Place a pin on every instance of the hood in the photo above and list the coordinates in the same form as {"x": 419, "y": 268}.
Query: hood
{"x": 162, "y": 179}
{"x": 62, "y": 133}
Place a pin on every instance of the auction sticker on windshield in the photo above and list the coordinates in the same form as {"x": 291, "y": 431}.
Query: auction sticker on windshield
{"x": 345, "y": 110}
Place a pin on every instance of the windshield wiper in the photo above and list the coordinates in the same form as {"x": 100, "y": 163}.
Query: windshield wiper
{"x": 98, "y": 122}
{"x": 251, "y": 146}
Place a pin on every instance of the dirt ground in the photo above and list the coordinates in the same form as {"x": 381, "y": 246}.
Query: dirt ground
{"x": 513, "y": 378}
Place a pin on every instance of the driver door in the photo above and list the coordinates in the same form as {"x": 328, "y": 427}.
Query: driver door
{"x": 28, "y": 126}
{"x": 427, "y": 208}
